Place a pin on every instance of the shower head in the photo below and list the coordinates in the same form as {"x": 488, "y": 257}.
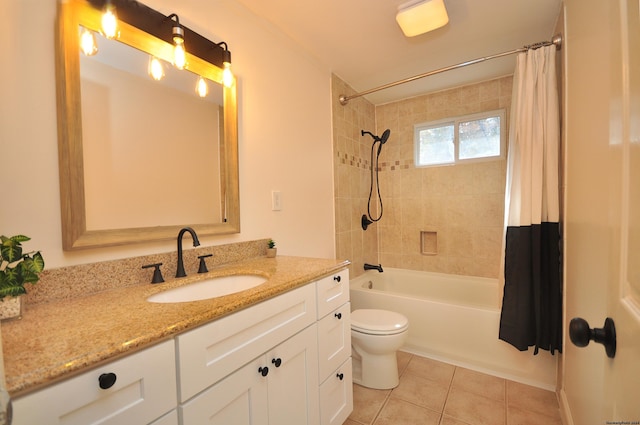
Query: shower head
{"x": 382, "y": 139}
{"x": 385, "y": 136}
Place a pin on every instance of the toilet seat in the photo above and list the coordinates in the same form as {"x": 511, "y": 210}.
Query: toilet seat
{"x": 378, "y": 322}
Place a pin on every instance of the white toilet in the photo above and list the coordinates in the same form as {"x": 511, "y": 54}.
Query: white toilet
{"x": 376, "y": 335}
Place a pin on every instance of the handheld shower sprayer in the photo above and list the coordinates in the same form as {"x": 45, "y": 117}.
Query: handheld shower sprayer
{"x": 382, "y": 139}
{"x": 367, "y": 219}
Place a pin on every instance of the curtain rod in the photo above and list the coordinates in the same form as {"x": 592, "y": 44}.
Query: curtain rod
{"x": 556, "y": 40}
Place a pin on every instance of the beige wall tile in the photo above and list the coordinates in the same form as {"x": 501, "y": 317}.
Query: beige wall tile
{"x": 468, "y": 198}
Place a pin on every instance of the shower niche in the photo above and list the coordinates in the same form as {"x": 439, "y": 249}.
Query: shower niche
{"x": 428, "y": 242}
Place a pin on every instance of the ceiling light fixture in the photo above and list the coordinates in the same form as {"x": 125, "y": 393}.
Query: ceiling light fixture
{"x": 418, "y": 17}
{"x": 179, "y": 54}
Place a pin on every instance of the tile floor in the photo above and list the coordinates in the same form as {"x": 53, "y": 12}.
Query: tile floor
{"x": 436, "y": 393}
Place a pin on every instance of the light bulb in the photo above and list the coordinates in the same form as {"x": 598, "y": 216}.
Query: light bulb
{"x": 156, "y": 71}
{"x": 109, "y": 21}
{"x": 179, "y": 57}
{"x": 227, "y": 75}
{"x": 88, "y": 43}
{"x": 201, "y": 87}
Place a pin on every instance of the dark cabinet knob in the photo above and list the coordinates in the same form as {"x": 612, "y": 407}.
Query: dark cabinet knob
{"x": 581, "y": 334}
{"x": 264, "y": 371}
{"x": 106, "y": 380}
{"x": 340, "y": 376}
{"x": 277, "y": 362}
{"x": 337, "y": 278}
{"x": 338, "y": 315}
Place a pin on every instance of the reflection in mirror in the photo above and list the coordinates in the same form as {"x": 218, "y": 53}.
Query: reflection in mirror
{"x": 147, "y": 157}
{"x": 131, "y": 167}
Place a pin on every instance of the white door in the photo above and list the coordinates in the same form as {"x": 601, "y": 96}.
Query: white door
{"x": 602, "y": 216}
{"x": 622, "y": 375}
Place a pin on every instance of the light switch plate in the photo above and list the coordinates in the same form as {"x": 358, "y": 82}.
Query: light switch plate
{"x": 276, "y": 200}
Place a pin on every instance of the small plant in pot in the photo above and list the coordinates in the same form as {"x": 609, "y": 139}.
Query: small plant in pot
{"x": 16, "y": 269}
{"x": 271, "y": 248}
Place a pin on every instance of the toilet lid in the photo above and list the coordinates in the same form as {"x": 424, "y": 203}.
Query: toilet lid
{"x": 378, "y": 322}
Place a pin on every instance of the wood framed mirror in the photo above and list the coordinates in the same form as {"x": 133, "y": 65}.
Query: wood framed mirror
{"x": 139, "y": 160}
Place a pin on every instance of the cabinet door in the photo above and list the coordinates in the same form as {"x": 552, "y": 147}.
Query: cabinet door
{"x": 336, "y": 396}
{"x": 239, "y": 399}
{"x": 170, "y": 418}
{"x": 293, "y": 380}
{"x": 334, "y": 340}
{"x": 213, "y": 351}
{"x": 144, "y": 389}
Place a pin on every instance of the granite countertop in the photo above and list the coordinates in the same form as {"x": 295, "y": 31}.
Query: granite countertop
{"x": 56, "y": 340}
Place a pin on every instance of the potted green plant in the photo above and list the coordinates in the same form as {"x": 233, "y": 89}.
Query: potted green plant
{"x": 271, "y": 248}
{"x": 16, "y": 269}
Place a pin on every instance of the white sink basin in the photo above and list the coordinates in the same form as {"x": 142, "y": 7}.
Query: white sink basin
{"x": 211, "y": 288}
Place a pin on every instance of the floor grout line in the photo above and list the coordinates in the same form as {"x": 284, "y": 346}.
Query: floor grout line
{"x": 458, "y": 375}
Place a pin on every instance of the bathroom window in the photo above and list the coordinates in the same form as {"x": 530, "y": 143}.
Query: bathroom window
{"x": 477, "y": 137}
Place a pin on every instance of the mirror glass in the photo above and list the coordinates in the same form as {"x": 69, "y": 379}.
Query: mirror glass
{"x": 142, "y": 158}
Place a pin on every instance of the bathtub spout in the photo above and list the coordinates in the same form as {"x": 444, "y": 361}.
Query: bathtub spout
{"x": 372, "y": 267}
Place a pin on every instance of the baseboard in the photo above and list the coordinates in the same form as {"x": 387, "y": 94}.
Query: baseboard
{"x": 565, "y": 412}
{"x": 488, "y": 369}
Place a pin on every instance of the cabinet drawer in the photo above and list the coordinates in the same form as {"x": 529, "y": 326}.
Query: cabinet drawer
{"x": 334, "y": 340}
{"x": 336, "y": 396}
{"x": 144, "y": 389}
{"x": 213, "y": 351}
{"x": 333, "y": 291}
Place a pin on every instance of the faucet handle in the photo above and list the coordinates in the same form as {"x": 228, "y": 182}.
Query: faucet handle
{"x": 157, "y": 274}
{"x": 203, "y": 265}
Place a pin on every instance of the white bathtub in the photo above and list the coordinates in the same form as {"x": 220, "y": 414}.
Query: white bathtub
{"x": 453, "y": 319}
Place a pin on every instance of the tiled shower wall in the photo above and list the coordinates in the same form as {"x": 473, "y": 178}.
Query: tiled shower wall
{"x": 351, "y": 167}
{"x": 462, "y": 205}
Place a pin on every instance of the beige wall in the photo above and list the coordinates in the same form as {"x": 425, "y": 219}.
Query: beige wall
{"x": 463, "y": 204}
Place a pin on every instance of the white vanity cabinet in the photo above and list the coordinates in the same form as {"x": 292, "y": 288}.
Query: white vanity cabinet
{"x": 144, "y": 390}
{"x": 286, "y": 361}
{"x": 283, "y": 361}
{"x": 334, "y": 348}
{"x": 213, "y": 351}
{"x": 279, "y": 387}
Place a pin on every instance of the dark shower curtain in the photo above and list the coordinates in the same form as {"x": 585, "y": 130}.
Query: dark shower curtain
{"x": 532, "y": 301}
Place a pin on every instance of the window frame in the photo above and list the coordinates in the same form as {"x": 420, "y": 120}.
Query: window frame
{"x": 456, "y": 121}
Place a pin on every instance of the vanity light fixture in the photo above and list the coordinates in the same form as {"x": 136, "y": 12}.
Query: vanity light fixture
{"x": 201, "y": 87}
{"x": 418, "y": 17}
{"x": 156, "y": 70}
{"x": 88, "y": 43}
{"x": 168, "y": 29}
{"x": 179, "y": 56}
{"x": 109, "y": 21}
